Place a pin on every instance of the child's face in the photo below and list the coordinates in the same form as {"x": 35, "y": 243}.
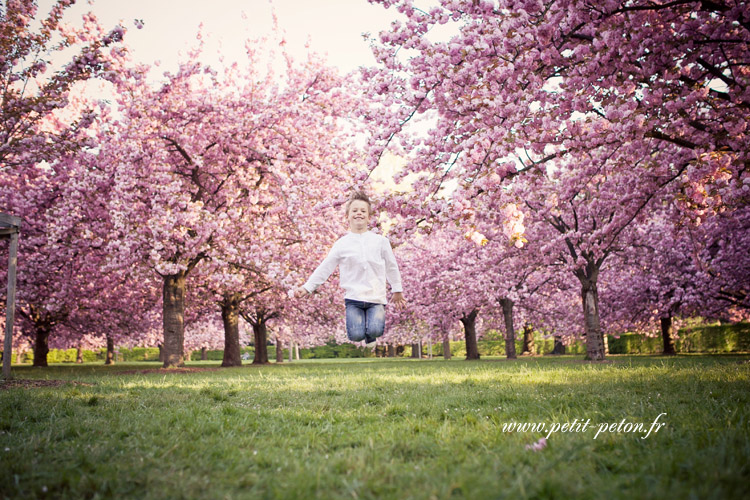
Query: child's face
{"x": 358, "y": 216}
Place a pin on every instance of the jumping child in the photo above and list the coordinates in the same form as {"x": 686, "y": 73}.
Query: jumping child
{"x": 365, "y": 262}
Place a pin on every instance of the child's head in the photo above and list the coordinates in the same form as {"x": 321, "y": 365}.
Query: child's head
{"x": 358, "y": 211}
{"x": 358, "y": 196}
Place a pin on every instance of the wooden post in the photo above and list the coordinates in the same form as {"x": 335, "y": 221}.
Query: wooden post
{"x": 15, "y": 224}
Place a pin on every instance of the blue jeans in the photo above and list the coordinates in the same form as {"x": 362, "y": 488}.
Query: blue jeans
{"x": 364, "y": 320}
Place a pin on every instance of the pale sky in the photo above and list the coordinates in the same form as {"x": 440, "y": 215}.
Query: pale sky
{"x": 333, "y": 27}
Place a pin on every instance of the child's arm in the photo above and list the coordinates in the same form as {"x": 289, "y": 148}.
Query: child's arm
{"x": 393, "y": 275}
{"x": 321, "y": 273}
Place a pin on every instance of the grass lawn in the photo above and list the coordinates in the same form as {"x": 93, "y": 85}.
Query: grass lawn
{"x": 381, "y": 428}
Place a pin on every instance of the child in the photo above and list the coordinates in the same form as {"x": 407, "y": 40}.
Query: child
{"x": 365, "y": 261}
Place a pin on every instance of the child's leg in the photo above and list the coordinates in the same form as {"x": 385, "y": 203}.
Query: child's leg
{"x": 356, "y": 320}
{"x": 375, "y": 325}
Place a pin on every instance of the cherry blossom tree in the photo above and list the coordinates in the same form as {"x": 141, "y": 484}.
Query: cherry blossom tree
{"x": 445, "y": 286}
{"x": 43, "y": 122}
{"x": 503, "y": 89}
{"x": 508, "y": 251}
{"x": 688, "y": 270}
{"x": 422, "y": 263}
{"x": 498, "y": 77}
{"x": 201, "y": 166}
{"x": 208, "y": 332}
{"x": 36, "y": 86}
{"x": 64, "y": 287}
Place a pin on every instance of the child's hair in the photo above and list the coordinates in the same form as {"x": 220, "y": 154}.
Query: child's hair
{"x": 359, "y": 195}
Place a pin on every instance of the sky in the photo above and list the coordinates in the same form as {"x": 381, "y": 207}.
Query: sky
{"x": 334, "y": 28}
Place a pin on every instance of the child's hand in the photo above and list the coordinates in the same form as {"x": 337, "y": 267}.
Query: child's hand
{"x": 298, "y": 292}
{"x": 398, "y": 300}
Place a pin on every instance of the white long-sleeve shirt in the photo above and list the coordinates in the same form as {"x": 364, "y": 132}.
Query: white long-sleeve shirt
{"x": 365, "y": 262}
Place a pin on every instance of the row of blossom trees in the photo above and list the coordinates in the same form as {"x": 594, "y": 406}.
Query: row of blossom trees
{"x": 595, "y": 118}
{"x": 563, "y": 176}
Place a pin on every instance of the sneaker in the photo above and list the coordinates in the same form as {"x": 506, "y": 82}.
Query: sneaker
{"x": 370, "y": 342}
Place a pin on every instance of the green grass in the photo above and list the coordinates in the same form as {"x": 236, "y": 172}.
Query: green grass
{"x": 380, "y": 428}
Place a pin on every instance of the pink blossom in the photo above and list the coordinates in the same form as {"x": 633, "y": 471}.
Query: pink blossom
{"x": 538, "y": 446}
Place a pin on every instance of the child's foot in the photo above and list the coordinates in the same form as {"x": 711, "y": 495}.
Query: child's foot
{"x": 370, "y": 342}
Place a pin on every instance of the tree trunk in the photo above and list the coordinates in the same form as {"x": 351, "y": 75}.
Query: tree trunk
{"x": 594, "y": 340}
{"x": 296, "y": 351}
{"x": 559, "y": 346}
{"x": 391, "y": 351}
{"x": 260, "y": 335}
{"x": 204, "y": 354}
{"x": 666, "y": 335}
{"x": 110, "y": 358}
{"x": 510, "y": 330}
{"x": 79, "y": 355}
{"x": 469, "y": 322}
{"x": 41, "y": 346}
{"x": 446, "y": 346}
{"x": 230, "y": 316}
{"x": 20, "y": 356}
{"x": 605, "y": 340}
{"x": 279, "y": 351}
{"x": 415, "y": 350}
{"x": 528, "y": 340}
{"x": 174, "y": 320}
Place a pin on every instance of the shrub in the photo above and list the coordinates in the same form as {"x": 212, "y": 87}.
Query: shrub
{"x": 696, "y": 337}
{"x": 714, "y": 338}
{"x": 333, "y": 350}
{"x": 62, "y": 356}
{"x": 632, "y": 343}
